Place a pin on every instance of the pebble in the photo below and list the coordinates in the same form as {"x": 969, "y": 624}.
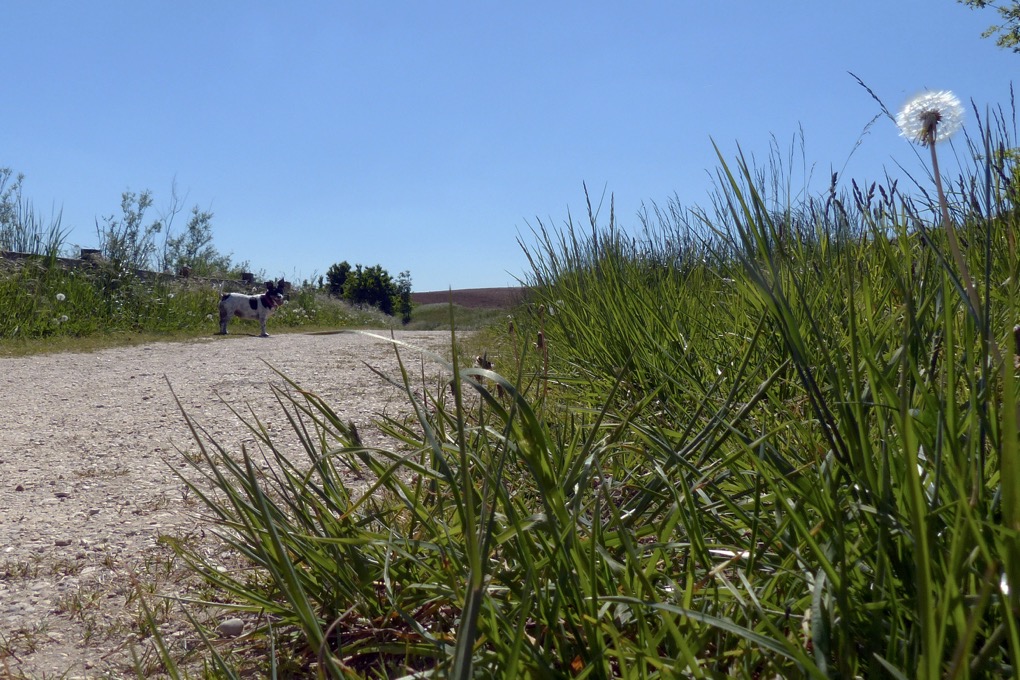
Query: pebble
{"x": 230, "y": 628}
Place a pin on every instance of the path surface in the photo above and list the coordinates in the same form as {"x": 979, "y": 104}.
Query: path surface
{"x": 86, "y": 492}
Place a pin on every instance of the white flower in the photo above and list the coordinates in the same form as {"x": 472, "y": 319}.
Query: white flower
{"x": 61, "y": 297}
{"x": 931, "y": 117}
{"x": 63, "y": 318}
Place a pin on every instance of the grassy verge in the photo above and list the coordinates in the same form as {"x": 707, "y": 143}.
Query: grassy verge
{"x": 438, "y": 316}
{"x": 773, "y": 441}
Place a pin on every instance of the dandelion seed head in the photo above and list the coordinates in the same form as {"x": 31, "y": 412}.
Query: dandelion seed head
{"x": 931, "y": 117}
{"x": 63, "y": 318}
{"x": 61, "y": 297}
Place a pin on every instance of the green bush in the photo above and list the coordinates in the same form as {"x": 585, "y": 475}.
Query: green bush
{"x": 371, "y": 287}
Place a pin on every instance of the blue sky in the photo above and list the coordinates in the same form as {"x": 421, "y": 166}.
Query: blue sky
{"x": 430, "y": 136}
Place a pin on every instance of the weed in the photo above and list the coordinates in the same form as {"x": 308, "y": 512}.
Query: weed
{"x": 20, "y": 569}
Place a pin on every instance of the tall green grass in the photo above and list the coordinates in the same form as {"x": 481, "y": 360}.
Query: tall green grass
{"x": 880, "y": 459}
{"x": 22, "y": 229}
{"x": 771, "y": 440}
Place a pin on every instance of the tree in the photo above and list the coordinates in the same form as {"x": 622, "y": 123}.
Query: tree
{"x": 337, "y": 277}
{"x": 1009, "y": 30}
{"x": 403, "y": 296}
{"x": 10, "y": 197}
{"x": 128, "y": 242}
{"x": 370, "y": 286}
{"x": 193, "y": 248}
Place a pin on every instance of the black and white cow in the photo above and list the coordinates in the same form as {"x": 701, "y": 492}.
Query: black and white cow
{"x": 252, "y": 306}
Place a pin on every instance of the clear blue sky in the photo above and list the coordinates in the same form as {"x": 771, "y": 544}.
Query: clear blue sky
{"x": 428, "y": 136}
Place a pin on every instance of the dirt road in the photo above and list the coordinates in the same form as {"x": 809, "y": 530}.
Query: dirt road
{"x": 86, "y": 489}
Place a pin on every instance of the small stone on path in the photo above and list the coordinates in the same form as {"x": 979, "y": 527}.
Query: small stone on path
{"x": 230, "y": 628}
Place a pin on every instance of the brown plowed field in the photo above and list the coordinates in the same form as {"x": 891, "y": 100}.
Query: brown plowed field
{"x": 489, "y": 298}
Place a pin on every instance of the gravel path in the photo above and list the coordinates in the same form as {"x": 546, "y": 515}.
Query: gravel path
{"x": 85, "y": 487}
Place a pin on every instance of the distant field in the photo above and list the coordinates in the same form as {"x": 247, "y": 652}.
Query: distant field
{"x": 472, "y": 297}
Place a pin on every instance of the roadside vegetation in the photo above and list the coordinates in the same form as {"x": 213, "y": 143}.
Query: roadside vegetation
{"x": 772, "y": 439}
{"x": 48, "y": 307}
{"x": 51, "y": 307}
{"x": 150, "y": 281}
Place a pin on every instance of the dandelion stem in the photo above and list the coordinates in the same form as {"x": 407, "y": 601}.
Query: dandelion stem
{"x": 954, "y": 245}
